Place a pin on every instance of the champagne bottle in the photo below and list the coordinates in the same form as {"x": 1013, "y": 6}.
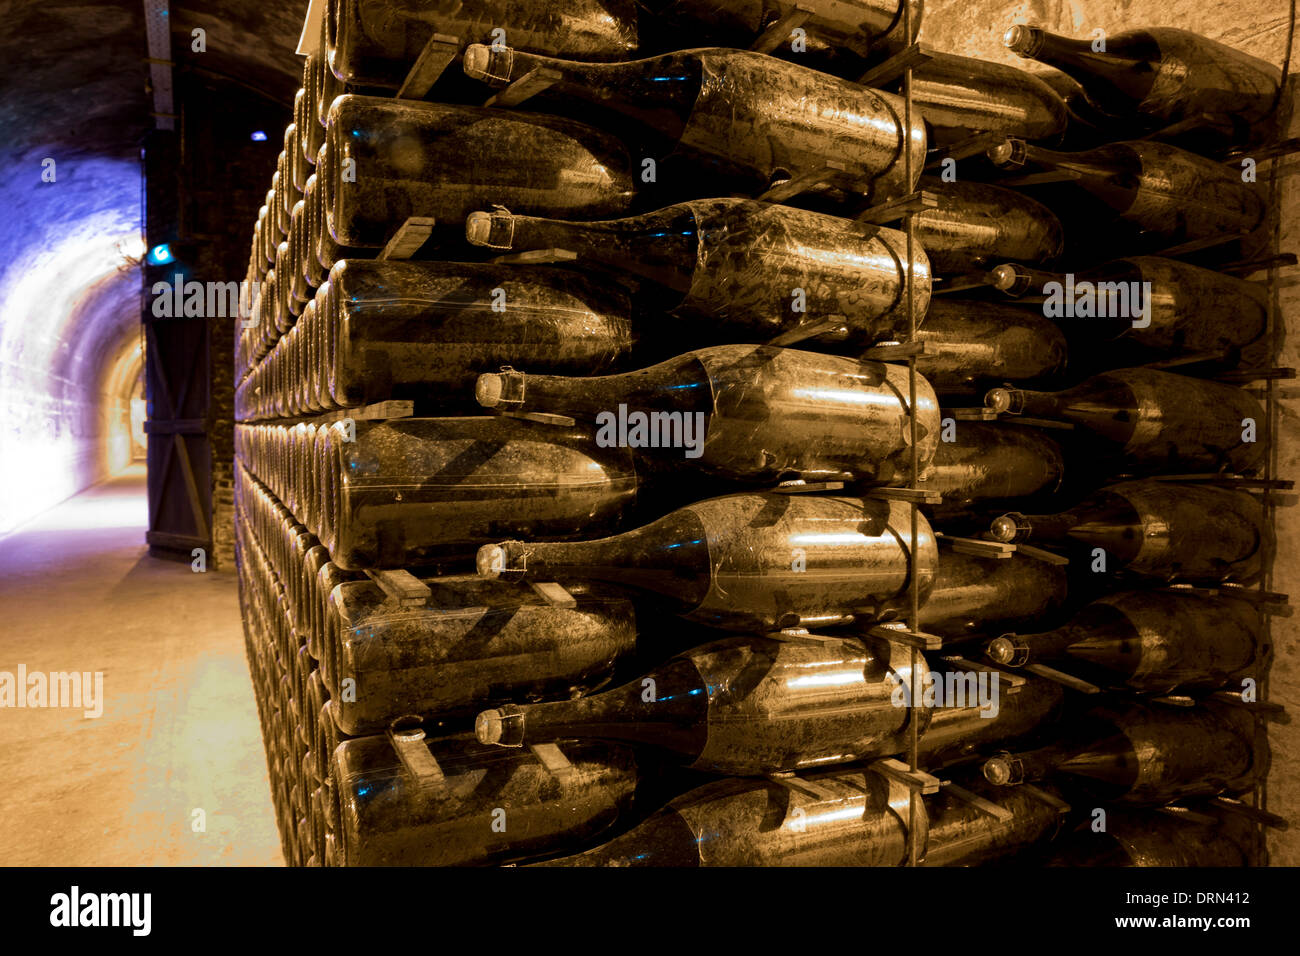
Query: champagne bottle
{"x": 475, "y": 642}
{"x": 318, "y": 589}
{"x": 751, "y": 268}
{"x": 960, "y": 96}
{"x": 387, "y": 817}
{"x": 428, "y": 159}
{"x": 1151, "y": 641}
{"x": 1165, "y": 76}
{"x": 1185, "y": 308}
{"x": 970, "y": 345}
{"x": 736, "y": 112}
{"x": 1151, "y": 419}
{"x": 958, "y": 733}
{"x": 840, "y": 818}
{"x": 974, "y": 596}
{"x": 962, "y": 834}
{"x": 1158, "y": 529}
{"x": 978, "y": 225}
{"x": 746, "y": 412}
{"x": 740, "y": 706}
{"x": 844, "y": 818}
{"x": 376, "y": 42}
{"x": 991, "y": 462}
{"x": 838, "y": 37}
{"x": 1087, "y": 126}
{"x": 1148, "y": 754}
{"x": 1166, "y": 837}
{"x": 417, "y": 490}
{"x": 750, "y": 561}
{"x": 419, "y": 329}
{"x": 1162, "y": 196}
{"x": 321, "y": 242}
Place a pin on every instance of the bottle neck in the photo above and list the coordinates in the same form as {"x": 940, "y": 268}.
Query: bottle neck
{"x": 1024, "y": 401}
{"x": 1116, "y": 80}
{"x": 1094, "y": 169}
{"x": 1106, "y": 520}
{"x": 669, "y": 557}
{"x": 658, "y": 92}
{"x": 1016, "y": 526}
{"x": 1103, "y": 405}
{"x": 1018, "y": 280}
{"x": 667, "y": 708}
{"x": 1028, "y": 766}
{"x": 1021, "y": 650}
{"x": 1107, "y": 757}
{"x": 661, "y": 246}
{"x": 680, "y": 384}
{"x": 1101, "y": 635}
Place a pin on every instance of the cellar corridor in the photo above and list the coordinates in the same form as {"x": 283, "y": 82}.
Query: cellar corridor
{"x": 178, "y": 730}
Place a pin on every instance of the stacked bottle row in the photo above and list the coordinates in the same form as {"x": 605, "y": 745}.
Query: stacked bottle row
{"x": 419, "y": 660}
{"x": 592, "y": 175}
{"x": 639, "y": 317}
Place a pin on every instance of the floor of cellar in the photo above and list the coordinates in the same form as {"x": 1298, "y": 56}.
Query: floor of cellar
{"x": 179, "y": 729}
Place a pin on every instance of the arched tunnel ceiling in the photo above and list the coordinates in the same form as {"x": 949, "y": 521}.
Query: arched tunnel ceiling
{"x": 74, "y": 88}
{"x": 75, "y": 76}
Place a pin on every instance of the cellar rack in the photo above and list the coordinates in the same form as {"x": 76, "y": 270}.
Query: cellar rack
{"x": 1268, "y": 602}
{"x": 907, "y": 781}
{"x": 916, "y": 782}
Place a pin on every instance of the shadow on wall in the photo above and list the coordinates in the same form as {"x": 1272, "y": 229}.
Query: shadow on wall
{"x": 69, "y": 320}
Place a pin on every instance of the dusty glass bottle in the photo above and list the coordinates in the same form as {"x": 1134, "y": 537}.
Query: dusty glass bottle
{"x": 740, "y": 706}
{"x": 474, "y": 643}
{"x": 837, "y": 37}
{"x": 988, "y": 463}
{"x": 1185, "y": 308}
{"x": 388, "y": 817}
{"x": 1145, "y": 754}
{"x": 749, "y": 268}
{"x": 745, "y": 412}
{"x": 1158, "y": 529}
{"x": 971, "y": 345}
{"x": 414, "y": 491}
{"x": 1161, "y": 195}
{"x": 960, "y": 96}
{"x": 971, "y": 727}
{"x": 841, "y": 818}
{"x": 1153, "y": 420}
{"x": 1165, "y": 837}
{"x": 1165, "y": 76}
{"x": 425, "y": 329}
{"x": 983, "y": 596}
{"x": 753, "y": 562}
{"x": 386, "y": 160}
{"x": 978, "y": 225}
{"x": 736, "y": 112}
{"x": 376, "y": 42}
{"x": 1151, "y": 641}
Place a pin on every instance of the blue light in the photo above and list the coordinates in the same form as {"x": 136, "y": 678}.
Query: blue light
{"x": 259, "y": 137}
{"x": 160, "y": 255}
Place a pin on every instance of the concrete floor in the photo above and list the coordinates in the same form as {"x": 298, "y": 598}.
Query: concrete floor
{"x": 179, "y": 728}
